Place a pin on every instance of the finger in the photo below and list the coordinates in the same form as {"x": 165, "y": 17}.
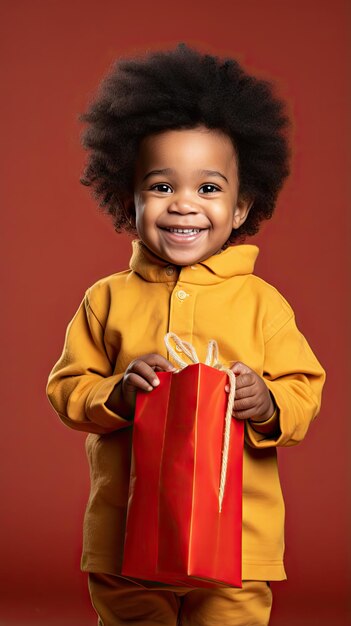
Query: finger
{"x": 244, "y": 415}
{"x": 246, "y": 392}
{"x": 133, "y": 382}
{"x": 244, "y": 381}
{"x": 144, "y": 370}
{"x": 158, "y": 361}
{"x": 239, "y": 368}
{"x": 246, "y": 404}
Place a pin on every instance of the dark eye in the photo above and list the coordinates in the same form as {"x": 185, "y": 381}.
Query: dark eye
{"x": 208, "y": 188}
{"x": 162, "y": 187}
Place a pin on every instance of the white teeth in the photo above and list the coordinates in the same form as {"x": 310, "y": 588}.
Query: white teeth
{"x": 184, "y": 231}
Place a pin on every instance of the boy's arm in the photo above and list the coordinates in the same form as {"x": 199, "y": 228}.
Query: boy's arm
{"x": 82, "y": 380}
{"x": 295, "y": 379}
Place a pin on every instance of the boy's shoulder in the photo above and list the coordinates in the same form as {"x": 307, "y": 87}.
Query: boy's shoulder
{"x": 101, "y": 296}
{"x": 107, "y": 285}
{"x": 274, "y": 310}
{"x": 269, "y": 292}
{"x": 107, "y": 281}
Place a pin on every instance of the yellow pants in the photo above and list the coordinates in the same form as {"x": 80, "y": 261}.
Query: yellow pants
{"x": 119, "y": 602}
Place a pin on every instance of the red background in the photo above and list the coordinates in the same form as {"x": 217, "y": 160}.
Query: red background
{"x": 56, "y": 244}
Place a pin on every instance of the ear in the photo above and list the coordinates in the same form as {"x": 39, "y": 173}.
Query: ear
{"x": 129, "y": 210}
{"x": 241, "y": 211}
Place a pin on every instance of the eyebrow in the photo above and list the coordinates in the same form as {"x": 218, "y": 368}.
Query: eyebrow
{"x": 212, "y": 173}
{"x": 168, "y": 171}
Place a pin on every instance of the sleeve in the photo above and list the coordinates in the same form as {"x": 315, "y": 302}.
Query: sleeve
{"x": 295, "y": 379}
{"x": 82, "y": 379}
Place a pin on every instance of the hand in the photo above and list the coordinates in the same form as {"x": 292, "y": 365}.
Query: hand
{"x": 140, "y": 374}
{"x": 252, "y": 397}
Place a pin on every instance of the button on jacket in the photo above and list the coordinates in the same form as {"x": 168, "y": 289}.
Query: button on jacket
{"x": 126, "y": 315}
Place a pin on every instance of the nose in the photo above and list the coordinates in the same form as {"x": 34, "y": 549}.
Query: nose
{"x": 182, "y": 206}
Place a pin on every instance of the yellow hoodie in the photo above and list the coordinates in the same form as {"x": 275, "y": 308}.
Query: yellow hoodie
{"x": 126, "y": 315}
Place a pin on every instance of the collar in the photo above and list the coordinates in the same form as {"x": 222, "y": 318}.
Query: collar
{"x": 234, "y": 261}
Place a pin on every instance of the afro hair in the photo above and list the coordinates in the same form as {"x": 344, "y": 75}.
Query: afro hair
{"x": 181, "y": 89}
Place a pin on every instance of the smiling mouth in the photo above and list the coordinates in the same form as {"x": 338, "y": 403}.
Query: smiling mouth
{"x": 184, "y": 231}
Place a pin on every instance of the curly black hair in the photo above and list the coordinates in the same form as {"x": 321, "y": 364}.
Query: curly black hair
{"x": 181, "y": 89}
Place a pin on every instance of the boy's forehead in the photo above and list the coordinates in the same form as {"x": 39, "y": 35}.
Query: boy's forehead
{"x": 201, "y": 148}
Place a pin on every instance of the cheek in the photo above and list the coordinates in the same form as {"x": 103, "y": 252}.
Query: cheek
{"x": 147, "y": 210}
{"x": 224, "y": 215}
{"x": 144, "y": 219}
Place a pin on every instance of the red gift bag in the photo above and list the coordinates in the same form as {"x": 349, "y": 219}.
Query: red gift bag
{"x": 180, "y": 529}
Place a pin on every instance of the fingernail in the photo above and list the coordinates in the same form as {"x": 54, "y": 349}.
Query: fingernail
{"x": 226, "y": 388}
{"x": 155, "y": 382}
{"x": 150, "y": 388}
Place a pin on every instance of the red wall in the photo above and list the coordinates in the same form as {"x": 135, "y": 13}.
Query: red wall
{"x": 56, "y": 244}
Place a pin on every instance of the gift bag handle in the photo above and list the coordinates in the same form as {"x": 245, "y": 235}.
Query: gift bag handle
{"x": 212, "y": 361}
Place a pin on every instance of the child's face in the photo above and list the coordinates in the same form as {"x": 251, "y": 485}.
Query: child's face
{"x": 186, "y": 194}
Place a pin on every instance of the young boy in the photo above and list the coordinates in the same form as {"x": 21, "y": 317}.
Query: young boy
{"x": 189, "y": 152}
